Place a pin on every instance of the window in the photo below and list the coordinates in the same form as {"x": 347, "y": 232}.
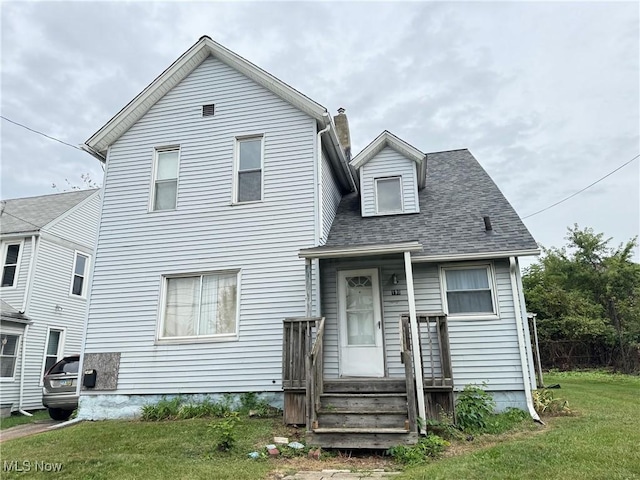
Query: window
{"x": 10, "y": 268}
{"x": 200, "y": 306}
{"x": 389, "y": 195}
{"x": 249, "y": 170}
{"x": 8, "y": 355}
{"x": 53, "y": 349}
{"x": 165, "y": 183}
{"x": 78, "y": 279}
{"x": 468, "y": 290}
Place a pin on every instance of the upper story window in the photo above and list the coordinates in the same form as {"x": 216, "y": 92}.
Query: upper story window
{"x": 389, "y": 195}
{"x": 165, "y": 181}
{"x": 8, "y": 355}
{"x": 469, "y": 290}
{"x": 78, "y": 279}
{"x": 10, "y": 265}
{"x": 200, "y": 306}
{"x": 248, "y": 178}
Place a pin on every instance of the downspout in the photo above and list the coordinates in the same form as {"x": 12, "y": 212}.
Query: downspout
{"x": 25, "y": 304}
{"x": 513, "y": 265}
{"x": 319, "y": 182}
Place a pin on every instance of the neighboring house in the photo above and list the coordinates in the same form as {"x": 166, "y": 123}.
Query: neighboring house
{"x": 233, "y": 216}
{"x": 47, "y": 251}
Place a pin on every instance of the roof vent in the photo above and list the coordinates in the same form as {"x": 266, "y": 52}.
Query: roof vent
{"x": 487, "y": 223}
{"x": 208, "y": 110}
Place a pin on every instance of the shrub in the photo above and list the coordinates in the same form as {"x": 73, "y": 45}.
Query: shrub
{"x": 250, "y": 404}
{"x": 473, "y": 408}
{"x": 224, "y": 431}
{"x": 546, "y": 404}
{"x": 430, "y": 446}
{"x": 163, "y": 410}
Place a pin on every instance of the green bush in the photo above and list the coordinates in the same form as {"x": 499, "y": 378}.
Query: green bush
{"x": 224, "y": 431}
{"x": 546, "y": 404}
{"x": 163, "y": 410}
{"x": 430, "y": 446}
{"x": 473, "y": 408}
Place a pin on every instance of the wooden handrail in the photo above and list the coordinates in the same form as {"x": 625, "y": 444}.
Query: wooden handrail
{"x": 315, "y": 375}
{"x": 407, "y": 358}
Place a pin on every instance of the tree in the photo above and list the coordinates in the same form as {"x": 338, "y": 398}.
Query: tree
{"x": 587, "y": 297}
{"x": 87, "y": 183}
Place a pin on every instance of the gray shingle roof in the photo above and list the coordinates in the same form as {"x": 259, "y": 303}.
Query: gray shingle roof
{"x": 32, "y": 213}
{"x": 458, "y": 194}
{"x": 10, "y": 314}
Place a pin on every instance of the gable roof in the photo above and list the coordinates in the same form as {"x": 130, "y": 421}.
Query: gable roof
{"x": 388, "y": 139}
{"x": 457, "y": 195}
{"x": 22, "y": 215}
{"x": 132, "y": 112}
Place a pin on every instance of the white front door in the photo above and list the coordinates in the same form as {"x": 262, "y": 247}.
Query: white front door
{"x": 360, "y": 324}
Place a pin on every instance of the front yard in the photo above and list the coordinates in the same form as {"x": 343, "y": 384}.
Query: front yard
{"x": 599, "y": 441}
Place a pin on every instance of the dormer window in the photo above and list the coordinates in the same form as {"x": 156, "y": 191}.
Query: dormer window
{"x": 389, "y": 195}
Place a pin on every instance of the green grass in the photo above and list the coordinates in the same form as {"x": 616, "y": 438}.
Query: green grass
{"x": 19, "y": 419}
{"x": 182, "y": 449}
{"x": 601, "y": 439}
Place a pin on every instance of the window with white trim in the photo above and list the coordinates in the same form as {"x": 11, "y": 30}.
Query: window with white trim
{"x": 8, "y": 355}
{"x": 200, "y": 306}
{"x": 53, "y": 348}
{"x": 248, "y": 186}
{"x": 468, "y": 290}
{"x": 79, "y": 277}
{"x": 389, "y": 195}
{"x": 10, "y": 265}
{"x": 165, "y": 181}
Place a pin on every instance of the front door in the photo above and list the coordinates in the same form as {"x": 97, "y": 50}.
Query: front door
{"x": 360, "y": 324}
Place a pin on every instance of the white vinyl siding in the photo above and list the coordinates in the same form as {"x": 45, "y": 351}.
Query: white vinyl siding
{"x": 331, "y": 197}
{"x": 389, "y": 163}
{"x": 249, "y": 153}
{"x": 481, "y": 349}
{"x": 9, "y": 346}
{"x": 11, "y": 264}
{"x": 206, "y": 233}
{"x": 165, "y": 181}
{"x": 79, "y": 275}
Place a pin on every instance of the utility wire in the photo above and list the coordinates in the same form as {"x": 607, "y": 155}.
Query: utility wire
{"x": 585, "y": 188}
{"x": 40, "y": 133}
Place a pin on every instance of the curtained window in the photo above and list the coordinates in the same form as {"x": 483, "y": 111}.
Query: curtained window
{"x": 469, "y": 290}
{"x": 203, "y": 305}
{"x": 249, "y": 170}
{"x": 165, "y": 183}
{"x": 8, "y": 355}
{"x": 388, "y": 195}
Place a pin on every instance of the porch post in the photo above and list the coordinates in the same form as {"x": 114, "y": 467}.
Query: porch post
{"x": 415, "y": 341}
{"x": 308, "y": 287}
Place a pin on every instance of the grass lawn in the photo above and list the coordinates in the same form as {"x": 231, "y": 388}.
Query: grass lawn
{"x": 19, "y": 419}
{"x": 601, "y": 439}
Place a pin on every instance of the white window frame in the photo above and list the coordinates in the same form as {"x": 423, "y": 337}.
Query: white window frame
{"x": 5, "y": 249}
{"x": 154, "y": 171}
{"x": 491, "y": 277}
{"x": 17, "y": 355}
{"x": 236, "y": 167}
{"x": 375, "y": 192}
{"x": 219, "y": 337}
{"x": 59, "y": 353}
{"x": 87, "y": 266}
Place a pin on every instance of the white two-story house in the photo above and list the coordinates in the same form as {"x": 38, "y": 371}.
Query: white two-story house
{"x": 47, "y": 245}
{"x": 242, "y": 249}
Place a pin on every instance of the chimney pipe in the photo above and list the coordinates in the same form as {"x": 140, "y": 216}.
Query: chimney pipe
{"x": 342, "y": 129}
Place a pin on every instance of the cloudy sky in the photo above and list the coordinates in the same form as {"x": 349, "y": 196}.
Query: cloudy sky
{"x": 545, "y": 95}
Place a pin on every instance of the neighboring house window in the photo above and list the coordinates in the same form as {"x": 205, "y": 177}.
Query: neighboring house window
{"x": 78, "y": 280}
{"x": 165, "y": 182}
{"x": 53, "y": 351}
{"x": 468, "y": 290}
{"x": 200, "y": 306}
{"x": 249, "y": 170}
{"x": 8, "y": 355}
{"x": 10, "y": 267}
{"x": 388, "y": 195}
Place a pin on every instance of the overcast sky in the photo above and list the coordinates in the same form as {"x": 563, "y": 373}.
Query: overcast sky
{"x": 545, "y": 95}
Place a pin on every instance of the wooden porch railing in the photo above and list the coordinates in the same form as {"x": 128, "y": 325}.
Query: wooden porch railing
{"x": 315, "y": 385}
{"x": 407, "y": 358}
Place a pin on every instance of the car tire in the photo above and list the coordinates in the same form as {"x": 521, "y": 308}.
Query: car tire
{"x": 59, "y": 413}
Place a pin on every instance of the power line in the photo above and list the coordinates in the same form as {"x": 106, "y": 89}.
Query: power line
{"x": 40, "y": 133}
{"x": 585, "y": 188}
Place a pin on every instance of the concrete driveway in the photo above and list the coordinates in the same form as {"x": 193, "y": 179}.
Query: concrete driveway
{"x": 27, "y": 429}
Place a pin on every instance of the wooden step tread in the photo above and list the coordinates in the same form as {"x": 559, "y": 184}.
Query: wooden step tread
{"x": 360, "y": 430}
{"x": 351, "y": 411}
{"x": 364, "y": 395}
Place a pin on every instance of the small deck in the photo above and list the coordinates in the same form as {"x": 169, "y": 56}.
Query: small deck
{"x": 363, "y": 412}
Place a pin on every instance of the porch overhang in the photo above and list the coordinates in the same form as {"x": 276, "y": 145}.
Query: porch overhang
{"x": 359, "y": 250}
{"x": 454, "y": 257}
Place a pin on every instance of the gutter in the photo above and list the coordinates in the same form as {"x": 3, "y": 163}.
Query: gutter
{"x": 358, "y": 251}
{"x": 93, "y": 152}
{"x": 474, "y": 256}
{"x": 319, "y": 216}
{"x": 513, "y": 265}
